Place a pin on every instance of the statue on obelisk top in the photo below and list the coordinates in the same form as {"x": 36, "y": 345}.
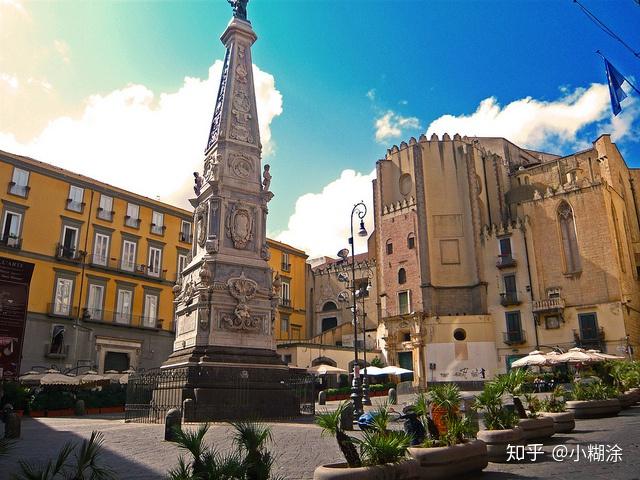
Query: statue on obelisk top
{"x": 239, "y": 8}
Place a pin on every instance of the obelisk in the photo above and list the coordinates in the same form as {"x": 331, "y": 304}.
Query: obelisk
{"x": 224, "y": 300}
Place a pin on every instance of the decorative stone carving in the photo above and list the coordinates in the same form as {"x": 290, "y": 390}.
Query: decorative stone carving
{"x": 204, "y": 307}
{"x": 265, "y": 254}
{"x": 536, "y": 195}
{"x": 212, "y": 245}
{"x": 214, "y": 133}
{"x": 205, "y": 275}
{"x": 276, "y": 287}
{"x": 201, "y": 224}
{"x": 240, "y": 225}
{"x": 187, "y": 294}
{"x": 242, "y": 289}
{"x": 197, "y": 180}
{"x": 212, "y": 168}
{"x": 266, "y": 178}
{"x": 241, "y": 165}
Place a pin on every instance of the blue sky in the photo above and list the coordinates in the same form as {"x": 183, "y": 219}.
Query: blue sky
{"x": 342, "y": 81}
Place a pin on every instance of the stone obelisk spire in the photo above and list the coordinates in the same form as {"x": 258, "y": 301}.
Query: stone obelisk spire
{"x": 224, "y": 300}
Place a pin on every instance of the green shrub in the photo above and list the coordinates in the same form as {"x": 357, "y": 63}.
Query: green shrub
{"x": 19, "y": 396}
{"x": 596, "y": 390}
{"x": 555, "y": 402}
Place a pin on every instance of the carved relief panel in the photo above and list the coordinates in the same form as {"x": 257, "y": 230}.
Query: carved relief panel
{"x": 240, "y": 224}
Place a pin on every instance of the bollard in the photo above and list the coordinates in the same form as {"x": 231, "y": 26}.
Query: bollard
{"x": 393, "y": 396}
{"x": 322, "y": 397}
{"x": 188, "y": 410}
{"x": 172, "y": 421}
{"x": 346, "y": 419}
{"x": 80, "y": 410}
{"x": 11, "y": 421}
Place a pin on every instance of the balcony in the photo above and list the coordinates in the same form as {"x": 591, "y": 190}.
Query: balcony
{"x": 185, "y": 237}
{"x": 75, "y": 206}
{"x": 286, "y": 267}
{"x": 157, "y": 229}
{"x": 595, "y": 341}
{"x": 57, "y": 353}
{"x": 509, "y": 298}
{"x": 122, "y": 265}
{"x": 18, "y": 190}
{"x": 11, "y": 241}
{"x": 505, "y": 261}
{"x": 67, "y": 253}
{"x": 515, "y": 337}
{"x": 131, "y": 222}
{"x": 548, "y": 305}
{"x": 285, "y": 302}
{"x": 60, "y": 309}
{"x": 105, "y": 214}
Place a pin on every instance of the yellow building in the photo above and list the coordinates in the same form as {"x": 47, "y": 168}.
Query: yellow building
{"x": 290, "y": 264}
{"x": 105, "y": 263}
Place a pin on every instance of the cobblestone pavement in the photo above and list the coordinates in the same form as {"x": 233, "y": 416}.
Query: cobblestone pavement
{"x": 137, "y": 451}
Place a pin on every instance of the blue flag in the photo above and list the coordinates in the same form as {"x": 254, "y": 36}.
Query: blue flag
{"x": 616, "y": 80}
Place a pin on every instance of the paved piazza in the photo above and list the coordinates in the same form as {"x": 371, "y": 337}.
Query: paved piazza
{"x": 137, "y": 451}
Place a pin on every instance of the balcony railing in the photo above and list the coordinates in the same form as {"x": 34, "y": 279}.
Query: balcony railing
{"x": 286, "y": 267}
{"x": 595, "y": 341}
{"x": 11, "y": 242}
{"x": 285, "y": 302}
{"x": 68, "y": 253}
{"x": 548, "y": 304}
{"x": 120, "y": 318}
{"x": 157, "y": 229}
{"x": 132, "y": 222}
{"x": 509, "y": 298}
{"x": 61, "y": 309}
{"x": 185, "y": 237}
{"x": 105, "y": 214}
{"x": 506, "y": 260}
{"x": 514, "y": 337}
{"x": 74, "y": 205}
{"x": 19, "y": 190}
{"x": 123, "y": 265}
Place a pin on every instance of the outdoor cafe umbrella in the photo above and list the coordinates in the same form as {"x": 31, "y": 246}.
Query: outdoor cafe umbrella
{"x": 574, "y": 355}
{"x": 535, "y": 358}
{"x": 91, "y": 376}
{"x": 324, "y": 369}
{"x": 54, "y": 377}
{"x": 371, "y": 370}
{"x": 393, "y": 370}
{"x": 124, "y": 378}
{"x": 599, "y": 356}
{"x": 31, "y": 377}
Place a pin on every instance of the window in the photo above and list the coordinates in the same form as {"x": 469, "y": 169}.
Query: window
{"x": 329, "y": 307}
{"x": 404, "y": 302}
{"x": 389, "y": 247}
{"x": 105, "y": 210}
{"x": 182, "y": 263}
{"x": 568, "y": 233}
{"x": 118, "y": 361}
{"x": 123, "y": 306}
{"x": 286, "y": 293}
{"x": 510, "y": 295}
{"x": 588, "y": 323}
{"x": 19, "y": 182}
{"x": 128, "y": 261}
{"x": 150, "y": 310}
{"x": 95, "y": 301}
{"x": 406, "y": 337}
{"x": 155, "y": 262}
{"x": 411, "y": 241}
{"x": 514, "y": 332}
{"x": 505, "y": 247}
{"x": 11, "y": 229}
{"x": 101, "y": 250}
{"x": 402, "y": 276}
{"x": 56, "y": 347}
{"x": 62, "y": 296}
{"x": 157, "y": 223}
{"x": 328, "y": 323}
{"x": 132, "y": 219}
{"x": 185, "y": 231}
{"x": 459, "y": 334}
{"x": 69, "y": 240}
{"x": 286, "y": 266}
{"x": 74, "y": 202}
{"x": 284, "y": 323}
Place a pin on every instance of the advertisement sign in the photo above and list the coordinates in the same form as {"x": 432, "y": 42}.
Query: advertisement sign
{"x": 15, "y": 276}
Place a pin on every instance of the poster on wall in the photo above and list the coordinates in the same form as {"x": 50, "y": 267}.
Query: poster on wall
{"x": 15, "y": 277}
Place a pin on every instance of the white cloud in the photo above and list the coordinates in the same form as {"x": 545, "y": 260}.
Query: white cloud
{"x": 534, "y": 123}
{"x": 9, "y": 81}
{"x": 320, "y": 222}
{"x": 63, "y": 49}
{"x": 143, "y": 141}
{"x": 391, "y": 125}
{"x": 371, "y": 94}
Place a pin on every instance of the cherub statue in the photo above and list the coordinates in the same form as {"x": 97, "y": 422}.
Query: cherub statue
{"x": 197, "y": 180}
{"x": 266, "y": 182}
{"x": 239, "y": 8}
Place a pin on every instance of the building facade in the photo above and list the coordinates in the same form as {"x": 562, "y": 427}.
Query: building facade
{"x": 487, "y": 250}
{"x": 105, "y": 263}
{"x": 290, "y": 265}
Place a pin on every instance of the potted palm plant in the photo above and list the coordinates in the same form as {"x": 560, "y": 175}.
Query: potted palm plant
{"x": 626, "y": 376}
{"x": 554, "y": 406}
{"x": 500, "y": 423}
{"x": 445, "y": 400}
{"x": 593, "y": 400}
{"x": 380, "y": 453}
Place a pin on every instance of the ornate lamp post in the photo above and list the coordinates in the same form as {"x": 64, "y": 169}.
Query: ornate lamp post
{"x": 359, "y": 209}
{"x": 362, "y": 294}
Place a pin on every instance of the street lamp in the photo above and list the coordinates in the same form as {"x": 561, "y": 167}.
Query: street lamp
{"x": 362, "y": 294}
{"x": 359, "y": 209}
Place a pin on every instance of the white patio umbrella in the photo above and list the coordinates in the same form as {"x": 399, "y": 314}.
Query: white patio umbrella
{"x": 124, "y": 379}
{"x": 534, "y": 358}
{"x": 599, "y": 356}
{"x": 393, "y": 370}
{"x": 31, "y": 377}
{"x": 324, "y": 369}
{"x": 54, "y": 377}
{"x": 574, "y": 355}
{"x": 91, "y": 376}
{"x": 371, "y": 370}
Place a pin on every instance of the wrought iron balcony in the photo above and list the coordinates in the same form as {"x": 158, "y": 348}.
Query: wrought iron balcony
{"x": 123, "y": 265}
{"x": 595, "y": 341}
{"x": 75, "y": 206}
{"x": 68, "y": 253}
{"x": 11, "y": 242}
{"x": 548, "y": 305}
{"x": 158, "y": 229}
{"x": 105, "y": 214}
{"x": 505, "y": 261}
{"x": 132, "y": 222}
{"x": 19, "y": 190}
{"x": 509, "y": 298}
{"x": 286, "y": 267}
{"x": 185, "y": 237}
{"x": 285, "y": 302}
{"x": 62, "y": 309}
{"x": 514, "y": 337}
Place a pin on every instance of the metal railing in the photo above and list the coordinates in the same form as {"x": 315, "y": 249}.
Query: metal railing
{"x": 514, "y": 337}
{"x": 285, "y": 267}
{"x": 184, "y": 237}
{"x": 509, "y": 298}
{"x": 285, "y": 302}
{"x": 132, "y": 222}
{"x": 547, "y": 304}
{"x": 11, "y": 242}
{"x": 505, "y": 260}
{"x": 105, "y": 214}
{"x": 121, "y": 318}
{"x": 123, "y": 265}
{"x": 68, "y": 253}
{"x": 61, "y": 309}
{"x": 19, "y": 190}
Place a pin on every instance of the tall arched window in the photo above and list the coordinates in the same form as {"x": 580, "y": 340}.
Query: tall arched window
{"x": 411, "y": 241}
{"x": 402, "y": 276}
{"x": 569, "y": 238}
{"x": 329, "y": 306}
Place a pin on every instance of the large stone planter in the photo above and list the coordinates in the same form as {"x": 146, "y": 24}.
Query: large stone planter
{"x": 627, "y": 399}
{"x": 563, "y": 422}
{"x": 636, "y": 393}
{"x": 497, "y": 441}
{"x": 594, "y": 408}
{"x": 541, "y": 427}
{"x": 445, "y": 462}
{"x": 405, "y": 470}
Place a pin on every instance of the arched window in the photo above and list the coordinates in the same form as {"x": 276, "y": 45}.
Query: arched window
{"x": 329, "y": 306}
{"x": 411, "y": 241}
{"x": 402, "y": 276}
{"x": 569, "y": 238}
{"x": 389, "y": 247}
